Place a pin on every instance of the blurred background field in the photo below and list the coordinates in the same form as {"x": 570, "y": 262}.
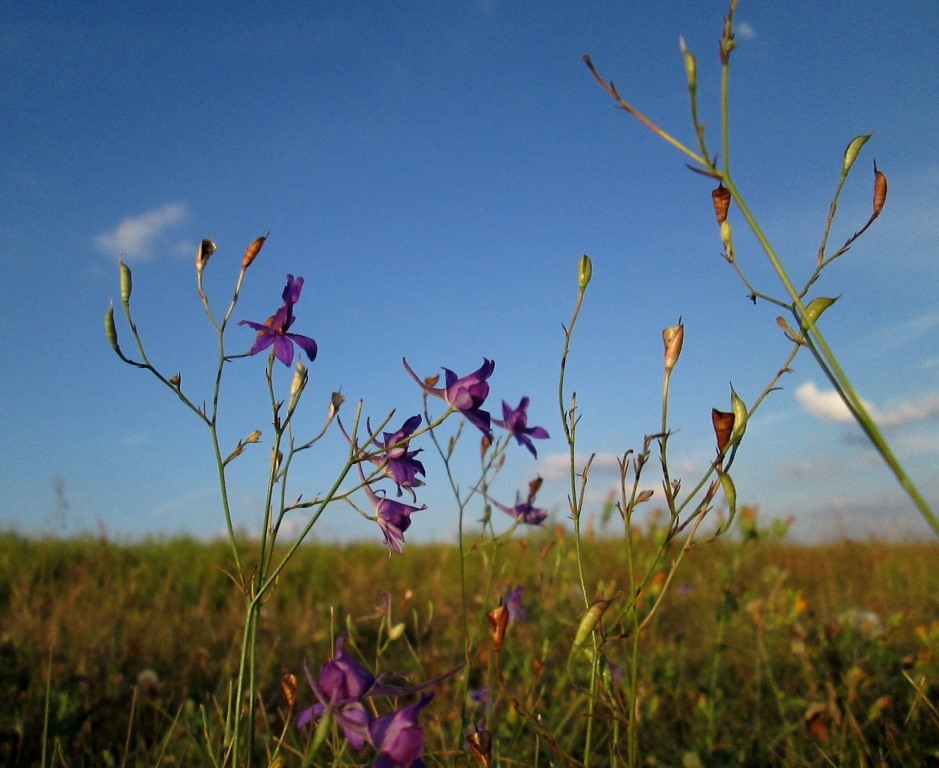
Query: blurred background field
{"x": 765, "y": 653}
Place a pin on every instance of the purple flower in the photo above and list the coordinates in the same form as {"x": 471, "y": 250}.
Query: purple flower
{"x": 398, "y": 736}
{"x": 275, "y": 329}
{"x": 513, "y": 601}
{"x": 523, "y": 511}
{"x": 397, "y": 461}
{"x": 341, "y": 685}
{"x": 516, "y": 422}
{"x": 465, "y": 394}
{"x": 394, "y": 518}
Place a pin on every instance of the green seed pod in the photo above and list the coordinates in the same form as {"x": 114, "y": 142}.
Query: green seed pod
{"x": 852, "y": 151}
{"x": 816, "y": 307}
{"x": 584, "y": 271}
{"x": 396, "y": 631}
{"x": 730, "y": 491}
{"x": 110, "y": 330}
{"x": 739, "y": 409}
{"x": 127, "y": 283}
{"x": 691, "y": 66}
{"x": 589, "y": 623}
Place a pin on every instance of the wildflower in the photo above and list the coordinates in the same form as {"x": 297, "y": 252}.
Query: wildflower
{"x": 525, "y": 512}
{"x": 516, "y": 422}
{"x": 342, "y": 684}
{"x": 398, "y": 736}
{"x": 275, "y": 329}
{"x": 465, "y": 394}
{"x": 393, "y": 517}
{"x": 513, "y": 601}
{"x": 397, "y": 461}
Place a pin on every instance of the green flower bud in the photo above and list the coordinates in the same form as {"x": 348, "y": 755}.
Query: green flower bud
{"x": 127, "y": 283}
{"x": 585, "y": 271}
{"x": 852, "y": 151}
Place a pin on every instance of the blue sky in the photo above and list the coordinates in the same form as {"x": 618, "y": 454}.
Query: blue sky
{"x": 434, "y": 171}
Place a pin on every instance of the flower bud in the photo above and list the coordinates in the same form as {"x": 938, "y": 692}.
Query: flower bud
{"x": 851, "y": 152}
{"x": 396, "y": 631}
{"x": 176, "y": 381}
{"x": 723, "y": 428}
{"x": 673, "y": 338}
{"x": 584, "y": 272}
{"x": 880, "y": 191}
{"x": 127, "y": 283}
{"x": 253, "y": 250}
{"x": 203, "y": 254}
{"x": 254, "y": 437}
{"x": 691, "y": 66}
{"x": 720, "y": 197}
{"x": 110, "y": 329}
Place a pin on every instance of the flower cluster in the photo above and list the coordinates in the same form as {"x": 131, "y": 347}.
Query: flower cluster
{"x": 342, "y": 689}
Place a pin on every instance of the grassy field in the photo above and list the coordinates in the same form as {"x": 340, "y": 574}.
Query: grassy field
{"x": 764, "y": 653}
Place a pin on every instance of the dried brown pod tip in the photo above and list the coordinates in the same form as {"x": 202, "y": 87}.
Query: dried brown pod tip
{"x": 480, "y": 744}
{"x": 880, "y": 191}
{"x": 723, "y": 428}
{"x": 721, "y": 199}
{"x": 498, "y": 622}
{"x": 253, "y": 250}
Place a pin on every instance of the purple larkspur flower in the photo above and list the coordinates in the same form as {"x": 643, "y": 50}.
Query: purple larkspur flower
{"x": 516, "y": 421}
{"x": 513, "y": 601}
{"x": 524, "y": 511}
{"x": 275, "y": 330}
{"x": 397, "y": 460}
{"x": 342, "y": 684}
{"x": 398, "y": 736}
{"x": 464, "y": 394}
{"x": 393, "y": 517}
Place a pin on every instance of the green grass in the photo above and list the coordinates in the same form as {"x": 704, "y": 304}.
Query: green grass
{"x": 760, "y": 655}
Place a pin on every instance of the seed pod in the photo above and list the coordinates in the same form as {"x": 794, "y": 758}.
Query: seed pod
{"x": 253, "y": 250}
{"x": 739, "y": 409}
{"x": 584, "y": 271}
{"x": 498, "y": 622}
{"x": 880, "y": 191}
{"x": 206, "y": 249}
{"x": 288, "y": 685}
{"x": 480, "y": 744}
{"x": 691, "y": 66}
{"x": 730, "y": 491}
{"x": 298, "y": 384}
{"x": 727, "y": 238}
{"x": 673, "y": 338}
{"x": 721, "y": 199}
{"x": 589, "y": 623}
{"x": 723, "y": 428}
{"x": 127, "y": 283}
{"x": 814, "y": 309}
{"x": 851, "y": 152}
{"x": 110, "y": 329}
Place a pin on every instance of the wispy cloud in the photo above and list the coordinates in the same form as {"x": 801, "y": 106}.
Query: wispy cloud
{"x": 557, "y": 466}
{"x": 745, "y": 31}
{"x": 828, "y": 406}
{"x": 136, "y": 236}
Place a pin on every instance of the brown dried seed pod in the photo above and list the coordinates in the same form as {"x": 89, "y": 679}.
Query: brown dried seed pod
{"x": 721, "y": 199}
{"x": 723, "y": 428}
{"x": 880, "y": 190}
{"x": 253, "y": 250}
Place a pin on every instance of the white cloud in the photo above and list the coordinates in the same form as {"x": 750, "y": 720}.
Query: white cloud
{"x": 557, "y": 466}
{"x": 136, "y": 236}
{"x": 745, "y": 31}
{"x": 828, "y": 406}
